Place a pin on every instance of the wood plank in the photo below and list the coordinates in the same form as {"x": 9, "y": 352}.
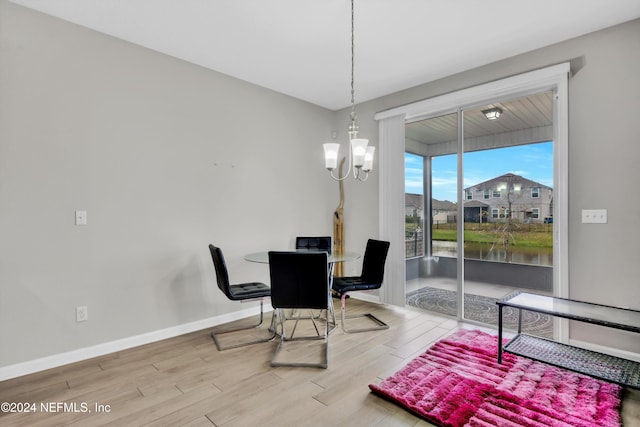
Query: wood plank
{"x": 187, "y": 381}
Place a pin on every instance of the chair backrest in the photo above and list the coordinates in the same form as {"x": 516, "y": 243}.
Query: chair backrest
{"x": 375, "y": 256}
{"x": 222, "y": 274}
{"x": 321, "y": 243}
{"x": 299, "y": 279}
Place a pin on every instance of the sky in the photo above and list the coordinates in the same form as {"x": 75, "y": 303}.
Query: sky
{"x": 533, "y": 161}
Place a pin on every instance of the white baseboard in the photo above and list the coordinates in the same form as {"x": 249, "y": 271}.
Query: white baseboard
{"x": 48, "y": 362}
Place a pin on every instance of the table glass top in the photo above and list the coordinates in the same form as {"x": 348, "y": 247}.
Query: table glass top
{"x": 603, "y": 314}
{"x": 263, "y": 257}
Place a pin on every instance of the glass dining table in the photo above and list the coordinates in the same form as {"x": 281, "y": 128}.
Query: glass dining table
{"x": 333, "y": 258}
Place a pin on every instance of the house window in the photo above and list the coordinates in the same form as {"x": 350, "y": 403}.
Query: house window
{"x": 485, "y": 194}
{"x": 468, "y": 195}
{"x": 498, "y": 213}
{"x": 535, "y": 213}
{"x": 535, "y": 192}
{"x": 496, "y": 193}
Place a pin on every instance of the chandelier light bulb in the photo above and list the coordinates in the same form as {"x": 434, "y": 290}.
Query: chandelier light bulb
{"x": 368, "y": 159}
{"x": 359, "y": 148}
{"x": 331, "y": 155}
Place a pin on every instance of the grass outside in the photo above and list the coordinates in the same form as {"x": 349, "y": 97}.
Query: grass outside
{"x": 525, "y": 235}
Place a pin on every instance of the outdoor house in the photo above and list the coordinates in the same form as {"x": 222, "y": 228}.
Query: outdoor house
{"x": 506, "y": 196}
{"x": 442, "y": 211}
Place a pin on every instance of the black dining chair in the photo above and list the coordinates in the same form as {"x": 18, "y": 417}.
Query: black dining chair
{"x": 316, "y": 243}
{"x": 243, "y": 292}
{"x": 320, "y": 243}
{"x": 300, "y": 280}
{"x": 375, "y": 256}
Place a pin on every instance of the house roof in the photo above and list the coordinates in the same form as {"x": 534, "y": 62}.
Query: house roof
{"x": 416, "y": 200}
{"x": 443, "y": 205}
{"x": 475, "y": 204}
{"x": 507, "y": 178}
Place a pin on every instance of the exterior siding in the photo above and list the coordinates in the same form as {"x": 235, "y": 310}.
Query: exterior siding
{"x": 491, "y": 201}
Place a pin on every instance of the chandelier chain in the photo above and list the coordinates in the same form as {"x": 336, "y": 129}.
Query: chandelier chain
{"x": 353, "y": 129}
{"x": 360, "y": 153}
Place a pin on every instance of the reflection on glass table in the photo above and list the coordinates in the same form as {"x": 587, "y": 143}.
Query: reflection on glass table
{"x": 263, "y": 257}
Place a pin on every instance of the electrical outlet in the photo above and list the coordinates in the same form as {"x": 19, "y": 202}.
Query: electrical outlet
{"x": 82, "y": 314}
{"x": 81, "y": 217}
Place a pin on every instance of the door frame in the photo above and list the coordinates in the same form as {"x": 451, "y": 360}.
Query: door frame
{"x": 391, "y": 177}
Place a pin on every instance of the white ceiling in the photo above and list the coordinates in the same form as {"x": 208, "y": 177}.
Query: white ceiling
{"x": 302, "y": 47}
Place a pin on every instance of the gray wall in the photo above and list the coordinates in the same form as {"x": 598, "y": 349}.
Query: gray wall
{"x": 166, "y": 157}
{"x": 604, "y": 147}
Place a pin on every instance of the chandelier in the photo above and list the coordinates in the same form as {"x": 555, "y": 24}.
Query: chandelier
{"x": 361, "y": 154}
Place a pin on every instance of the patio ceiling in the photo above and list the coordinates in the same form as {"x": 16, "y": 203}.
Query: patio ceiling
{"x": 523, "y": 121}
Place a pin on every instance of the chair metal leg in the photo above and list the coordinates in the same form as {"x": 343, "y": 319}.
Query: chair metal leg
{"x": 380, "y": 323}
{"x": 331, "y": 309}
{"x": 283, "y": 338}
{"x": 312, "y": 317}
{"x": 271, "y": 329}
{"x": 332, "y": 312}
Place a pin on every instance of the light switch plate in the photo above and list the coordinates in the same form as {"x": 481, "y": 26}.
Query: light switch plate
{"x": 594, "y": 216}
{"x": 82, "y": 313}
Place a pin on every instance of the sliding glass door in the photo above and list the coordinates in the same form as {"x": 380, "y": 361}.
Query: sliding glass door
{"x": 431, "y": 182}
{"x": 479, "y": 208}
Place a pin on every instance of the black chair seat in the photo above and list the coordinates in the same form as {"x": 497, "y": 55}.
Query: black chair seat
{"x": 242, "y": 291}
{"x": 248, "y": 291}
{"x": 375, "y": 256}
{"x": 347, "y": 284}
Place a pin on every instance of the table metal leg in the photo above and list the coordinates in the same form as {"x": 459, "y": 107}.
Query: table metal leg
{"x": 519, "y": 320}
{"x": 500, "y": 334}
{"x": 331, "y": 306}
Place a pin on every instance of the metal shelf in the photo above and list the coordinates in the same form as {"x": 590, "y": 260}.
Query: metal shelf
{"x": 598, "y": 365}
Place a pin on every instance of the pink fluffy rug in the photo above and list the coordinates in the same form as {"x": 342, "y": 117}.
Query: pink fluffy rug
{"x": 458, "y": 382}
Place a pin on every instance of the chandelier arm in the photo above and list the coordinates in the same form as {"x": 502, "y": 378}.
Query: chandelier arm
{"x": 366, "y": 176}
{"x": 357, "y": 176}
{"x": 346, "y": 175}
{"x": 338, "y": 179}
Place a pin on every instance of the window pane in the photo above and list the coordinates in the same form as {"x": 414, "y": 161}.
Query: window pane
{"x": 414, "y": 205}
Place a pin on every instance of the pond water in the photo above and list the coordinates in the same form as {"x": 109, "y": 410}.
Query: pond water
{"x": 485, "y": 251}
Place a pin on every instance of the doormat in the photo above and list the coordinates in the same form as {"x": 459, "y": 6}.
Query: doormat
{"x": 458, "y": 382}
{"x": 480, "y": 309}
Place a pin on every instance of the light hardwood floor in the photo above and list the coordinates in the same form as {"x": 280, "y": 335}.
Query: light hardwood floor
{"x": 187, "y": 381}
